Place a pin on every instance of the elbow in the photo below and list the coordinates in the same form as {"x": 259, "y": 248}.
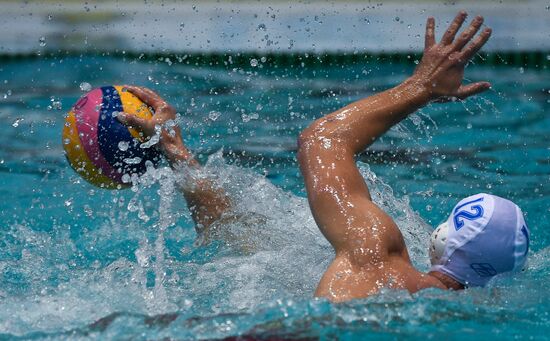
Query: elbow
{"x": 322, "y": 140}
{"x": 323, "y": 133}
{"x": 316, "y": 145}
{"x": 303, "y": 140}
{"x": 306, "y": 141}
{"x": 306, "y": 136}
{"x": 314, "y": 132}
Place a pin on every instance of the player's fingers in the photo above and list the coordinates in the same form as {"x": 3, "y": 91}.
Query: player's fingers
{"x": 142, "y": 125}
{"x": 468, "y": 33}
{"x": 146, "y": 96}
{"x": 430, "y": 33}
{"x": 476, "y": 44}
{"x": 453, "y": 28}
{"x": 466, "y": 91}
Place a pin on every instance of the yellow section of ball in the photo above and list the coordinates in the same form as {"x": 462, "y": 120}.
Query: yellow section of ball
{"x": 78, "y": 159}
{"x": 134, "y": 106}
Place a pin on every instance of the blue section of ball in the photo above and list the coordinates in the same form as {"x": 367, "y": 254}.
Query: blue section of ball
{"x": 127, "y": 157}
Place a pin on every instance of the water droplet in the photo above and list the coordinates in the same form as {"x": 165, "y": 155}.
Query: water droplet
{"x": 85, "y": 86}
{"x": 214, "y": 115}
{"x": 123, "y": 146}
{"x": 253, "y": 62}
{"x": 187, "y": 303}
{"x": 153, "y": 80}
{"x": 132, "y": 160}
{"x": 15, "y": 123}
{"x": 42, "y": 41}
{"x": 397, "y": 19}
{"x": 155, "y": 138}
{"x": 88, "y": 210}
{"x": 327, "y": 143}
{"x": 54, "y": 104}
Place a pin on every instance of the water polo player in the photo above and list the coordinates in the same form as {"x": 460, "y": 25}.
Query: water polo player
{"x": 483, "y": 236}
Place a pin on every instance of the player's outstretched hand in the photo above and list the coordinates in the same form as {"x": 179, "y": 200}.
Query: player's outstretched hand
{"x": 441, "y": 69}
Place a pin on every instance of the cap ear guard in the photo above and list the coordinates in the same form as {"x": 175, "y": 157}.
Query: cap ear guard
{"x": 438, "y": 241}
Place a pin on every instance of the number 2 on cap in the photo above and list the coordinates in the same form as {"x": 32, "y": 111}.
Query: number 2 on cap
{"x": 466, "y": 214}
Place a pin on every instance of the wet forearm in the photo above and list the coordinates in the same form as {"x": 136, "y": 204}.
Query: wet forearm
{"x": 206, "y": 201}
{"x": 357, "y": 125}
{"x": 176, "y": 153}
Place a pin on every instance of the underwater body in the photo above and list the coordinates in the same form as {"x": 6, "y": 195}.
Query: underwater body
{"x": 88, "y": 263}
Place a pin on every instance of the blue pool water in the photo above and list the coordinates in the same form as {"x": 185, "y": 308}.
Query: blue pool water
{"x": 81, "y": 262}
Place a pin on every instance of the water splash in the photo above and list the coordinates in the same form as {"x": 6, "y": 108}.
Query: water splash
{"x": 255, "y": 274}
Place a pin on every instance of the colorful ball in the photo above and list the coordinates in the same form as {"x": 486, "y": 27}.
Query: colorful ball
{"x": 100, "y": 148}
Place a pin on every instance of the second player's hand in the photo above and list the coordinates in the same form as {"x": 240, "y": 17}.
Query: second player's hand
{"x": 441, "y": 70}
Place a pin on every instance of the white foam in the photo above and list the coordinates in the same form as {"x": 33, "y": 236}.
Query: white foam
{"x": 269, "y": 248}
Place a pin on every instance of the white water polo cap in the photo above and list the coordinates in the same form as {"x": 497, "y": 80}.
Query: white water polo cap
{"x": 485, "y": 235}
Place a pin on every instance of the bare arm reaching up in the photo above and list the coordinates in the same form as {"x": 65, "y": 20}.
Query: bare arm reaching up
{"x": 370, "y": 251}
{"x": 206, "y": 202}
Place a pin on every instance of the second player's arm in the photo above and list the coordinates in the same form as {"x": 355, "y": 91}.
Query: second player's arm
{"x": 337, "y": 193}
{"x": 360, "y": 232}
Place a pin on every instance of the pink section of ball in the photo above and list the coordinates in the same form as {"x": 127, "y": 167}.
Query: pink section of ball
{"x": 86, "y": 112}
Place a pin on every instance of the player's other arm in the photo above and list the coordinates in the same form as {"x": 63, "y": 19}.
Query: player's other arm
{"x": 206, "y": 201}
{"x": 337, "y": 194}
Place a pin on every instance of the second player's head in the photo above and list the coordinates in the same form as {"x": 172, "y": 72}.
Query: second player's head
{"x": 485, "y": 235}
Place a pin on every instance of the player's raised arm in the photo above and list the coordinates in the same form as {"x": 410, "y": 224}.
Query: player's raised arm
{"x": 361, "y": 233}
{"x": 205, "y": 201}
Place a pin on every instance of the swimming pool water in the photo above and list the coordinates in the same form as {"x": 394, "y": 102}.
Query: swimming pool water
{"x": 81, "y": 262}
